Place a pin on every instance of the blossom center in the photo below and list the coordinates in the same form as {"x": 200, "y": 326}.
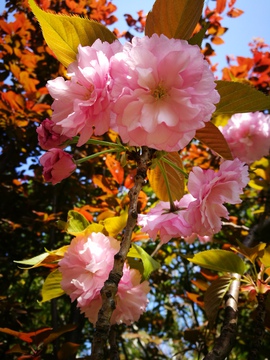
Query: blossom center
{"x": 160, "y": 92}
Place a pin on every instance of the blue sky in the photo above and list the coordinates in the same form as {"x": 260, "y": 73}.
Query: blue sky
{"x": 253, "y": 23}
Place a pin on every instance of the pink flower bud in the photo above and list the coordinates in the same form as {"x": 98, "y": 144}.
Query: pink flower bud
{"x": 48, "y": 138}
{"x": 57, "y": 165}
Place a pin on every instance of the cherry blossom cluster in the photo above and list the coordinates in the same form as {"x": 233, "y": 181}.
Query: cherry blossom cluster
{"x": 198, "y": 213}
{"x": 153, "y": 92}
{"x": 248, "y": 136}
{"x": 85, "y": 267}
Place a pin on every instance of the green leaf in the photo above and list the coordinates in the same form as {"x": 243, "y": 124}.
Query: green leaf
{"x": 51, "y": 288}
{"x": 64, "y": 33}
{"x": 236, "y": 97}
{"x": 197, "y": 39}
{"x": 76, "y": 223}
{"x": 218, "y": 260}
{"x": 149, "y": 264}
{"x": 33, "y": 262}
{"x": 214, "y": 295}
{"x": 176, "y": 180}
{"x": 174, "y": 18}
{"x": 211, "y": 136}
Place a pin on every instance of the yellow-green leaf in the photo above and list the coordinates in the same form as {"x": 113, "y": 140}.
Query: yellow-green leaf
{"x": 149, "y": 264}
{"x": 211, "y": 136}
{"x": 265, "y": 259}
{"x": 33, "y": 262}
{"x": 64, "y": 33}
{"x": 174, "y": 18}
{"x": 47, "y": 259}
{"x": 114, "y": 225}
{"x": 236, "y": 97}
{"x": 176, "y": 180}
{"x": 51, "y": 288}
{"x": 218, "y": 260}
{"x": 214, "y": 295}
{"x": 76, "y": 223}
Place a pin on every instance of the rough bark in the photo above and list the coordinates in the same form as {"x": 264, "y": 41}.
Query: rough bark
{"x": 258, "y": 328}
{"x": 225, "y": 342}
{"x": 110, "y": 287}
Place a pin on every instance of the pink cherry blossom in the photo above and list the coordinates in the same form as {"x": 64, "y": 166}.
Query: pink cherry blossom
{"x": 203, "y": 239}
{"x": 81, "y": 104}
{"x": 198, "y": 213}
{"x": 57, "y": 165}
{"x": 168, "y": 224}
{"x": 248, "y": 136}
{"x": 47, "y": 138}
{"x": 86, "y": 266}
{"x": 211, "y": 190}
{"x": 164, "y": 91}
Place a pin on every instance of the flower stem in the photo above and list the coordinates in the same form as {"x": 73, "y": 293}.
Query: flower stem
{"x": 95, "y": 155}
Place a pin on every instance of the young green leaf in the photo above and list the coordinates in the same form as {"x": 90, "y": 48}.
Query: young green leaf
{"x": 211, "y": 136}
{"x": 33, "y": 262}
{"x": 214, "y": 295}
{"x": 176, "y": 180}
{"x": 149, "y": 264}
{"x": 218, "y": 260}
{"x": 197, "y": 39}
{"x": 51, "y": 288}
{"x": 174, "y": 18}
{"x": 76, "y": 222}
{"x": 64, "y": 33}
{"x": 236, "y": 97}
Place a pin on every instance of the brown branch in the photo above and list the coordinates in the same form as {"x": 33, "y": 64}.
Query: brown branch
{"x": 110, "y": 287}
{"x": 225, "y": 342}
{"x": 258, "y": 328}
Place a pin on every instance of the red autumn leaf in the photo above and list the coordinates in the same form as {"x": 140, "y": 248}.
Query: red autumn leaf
{"x": 217, "y": 40}
{"x": 27, "y": 337}
{"x": 196, "y": 298}
{"x": 85, "y": 211}
{"x": 115, "y": 169}
{"x": 234, "y": 12}
{"x": 105, "y": 184}
{"x": 221, "y": 5}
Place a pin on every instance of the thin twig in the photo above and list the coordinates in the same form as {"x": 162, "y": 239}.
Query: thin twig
{"x": 110, "y": 287}
{"x": 225, "y": 342}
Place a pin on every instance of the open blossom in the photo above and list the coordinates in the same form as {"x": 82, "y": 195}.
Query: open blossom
{"x": 248, "y": 136}
{"x": 47, "y": 138}
{"x": 86, "y": 266}
{"x": 211, "y": 190}
{"x": 163, "y": 90}
{"x": 199, "y": 213}
{"x": 81, "y": 104}
{"x": 57, "y": 165}
{"x": 160, "y": 220}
